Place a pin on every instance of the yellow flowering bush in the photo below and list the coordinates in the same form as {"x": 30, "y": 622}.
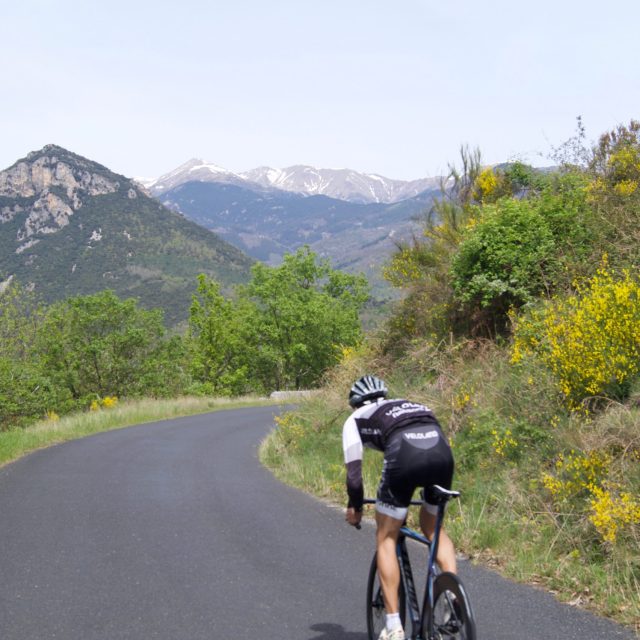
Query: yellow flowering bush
{"x": 108, "y": 402}
{"x": 347, "y": 353}
{"x": 486, "y": 183}
{"x": 624, "y": 167}
{"x": 613, "y": 510}
{"x": 463, "y": 397}
{"x": 626, "y": 187}
{"x": 405, "y": 267}
{"x": 503, "y": 443}
{"x": 289, "y": 430}
{"x": 575, "y": 473}
{"x": 583, "y": 484}
{"x": 590, "y": 341}
{"x": 616, "y": 164}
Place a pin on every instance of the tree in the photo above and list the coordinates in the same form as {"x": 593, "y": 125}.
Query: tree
{"x": 218, "y": 340}
{"x": 305, "y": 312}
{"x": 282, "y": 330}
{"x": 26, "y": 390}
{"x": 102, "y": 345}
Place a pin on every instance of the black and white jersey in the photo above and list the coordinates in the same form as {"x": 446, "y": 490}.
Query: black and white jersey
{"x": 371, "y": 424}
{"x": 416, "y": 452}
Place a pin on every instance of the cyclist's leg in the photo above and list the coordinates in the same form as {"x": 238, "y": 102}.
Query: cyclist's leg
{"x": 446, "y": 552}
{"x": 388, "y": 568}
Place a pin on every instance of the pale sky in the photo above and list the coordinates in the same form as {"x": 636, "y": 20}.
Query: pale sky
{"x": 391, "y": 87}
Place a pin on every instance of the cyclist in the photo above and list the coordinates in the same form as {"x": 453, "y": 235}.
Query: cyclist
{"x": 416, "y": 454}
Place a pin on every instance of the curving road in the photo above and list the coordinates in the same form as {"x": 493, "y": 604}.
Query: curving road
{"x": 173, "y": 531}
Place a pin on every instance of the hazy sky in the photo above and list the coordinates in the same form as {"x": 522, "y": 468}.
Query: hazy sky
{"x": 389, "y": 87}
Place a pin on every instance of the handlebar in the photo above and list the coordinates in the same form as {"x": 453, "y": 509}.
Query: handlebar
{"x": 416, "y": 503}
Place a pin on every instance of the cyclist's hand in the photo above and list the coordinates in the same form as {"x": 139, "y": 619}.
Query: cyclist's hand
{"x": 353, "y": 517}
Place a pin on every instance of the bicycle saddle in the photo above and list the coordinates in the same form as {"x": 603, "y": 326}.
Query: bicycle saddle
{"x": 435, "y": 494}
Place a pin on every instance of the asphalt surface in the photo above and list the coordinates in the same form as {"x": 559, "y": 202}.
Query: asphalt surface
{"x": 174, "y": 531}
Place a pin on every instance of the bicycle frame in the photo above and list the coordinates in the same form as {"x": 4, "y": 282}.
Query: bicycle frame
{"x": 423, "y": 623}
{"x": 406, "y": 574}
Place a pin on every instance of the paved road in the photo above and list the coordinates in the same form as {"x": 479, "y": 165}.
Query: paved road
{"x": 173, "y": 531}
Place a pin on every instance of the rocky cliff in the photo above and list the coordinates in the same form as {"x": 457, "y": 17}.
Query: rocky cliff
{"x": 69, "y": 225}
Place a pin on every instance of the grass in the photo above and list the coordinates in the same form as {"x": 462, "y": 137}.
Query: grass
{"x": 17, "y": 442}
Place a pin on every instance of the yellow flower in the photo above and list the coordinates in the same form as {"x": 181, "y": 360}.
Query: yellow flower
{"x": 109, "y": 402}
{"x": 486, "y": 182}
{"x": 610, "y": 512}
{"x": 503, "y": 444}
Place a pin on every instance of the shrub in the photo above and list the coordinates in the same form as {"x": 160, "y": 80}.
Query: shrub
{"x": 107, "y": 402}
{"x": 614, "y": 193}
{"x": 506, "y": 257}
{"x": 616, "y": 163}
{"x": 590, "y": 341}
{"x": 613, "y": 510}
{"x": 594, "y": 486}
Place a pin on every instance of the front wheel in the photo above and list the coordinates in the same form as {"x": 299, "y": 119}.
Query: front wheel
{"x": 376, "y": 612}
{"x": 452, "y": 614}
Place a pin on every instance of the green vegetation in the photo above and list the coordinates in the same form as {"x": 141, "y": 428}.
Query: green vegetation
{"x": 62, "y": 357}
{"x": 280, "y": 331}
{"x": 519, "y": 327}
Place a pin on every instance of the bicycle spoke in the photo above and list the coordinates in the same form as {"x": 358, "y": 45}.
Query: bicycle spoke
{"x": 452, "y": 616}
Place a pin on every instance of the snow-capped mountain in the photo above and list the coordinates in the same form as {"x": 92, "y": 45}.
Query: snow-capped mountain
{"x": 194, "y": 170}
{"x": 341, "y": 184}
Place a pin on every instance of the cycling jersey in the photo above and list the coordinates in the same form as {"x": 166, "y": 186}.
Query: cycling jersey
{"x": 416, "y": 453}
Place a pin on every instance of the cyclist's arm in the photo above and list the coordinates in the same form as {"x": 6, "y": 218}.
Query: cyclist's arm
{"x": 352, "y": 446}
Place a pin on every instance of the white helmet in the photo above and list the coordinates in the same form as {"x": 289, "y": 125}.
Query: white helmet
{"x": 367, "y": 388}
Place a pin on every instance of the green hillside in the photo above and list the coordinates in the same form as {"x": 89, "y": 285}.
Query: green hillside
{"x": 119, "y": 238}
{"x": 266, "y": 224}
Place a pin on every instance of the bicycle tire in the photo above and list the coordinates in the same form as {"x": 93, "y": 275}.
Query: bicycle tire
{"x": 376, "y": 612}
{"x": 452, "y": 613}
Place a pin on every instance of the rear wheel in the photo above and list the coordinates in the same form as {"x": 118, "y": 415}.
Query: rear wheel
{"x": 376, "y": 612}
{"x": 452, "y": 614}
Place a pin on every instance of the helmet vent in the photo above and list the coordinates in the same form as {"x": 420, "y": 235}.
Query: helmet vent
{"x": 367, "y": 388}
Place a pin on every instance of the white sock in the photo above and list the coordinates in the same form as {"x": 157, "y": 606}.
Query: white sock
{"x": 393, "y": 621}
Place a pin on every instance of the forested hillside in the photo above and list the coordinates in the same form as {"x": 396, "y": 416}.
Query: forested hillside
{"x": 267, "y": 223}
{"x": 70, "y": 226}
{"x": 520, "y": 326}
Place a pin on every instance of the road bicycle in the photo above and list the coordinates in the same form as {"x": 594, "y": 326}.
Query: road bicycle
{"x": 446, "y": 610}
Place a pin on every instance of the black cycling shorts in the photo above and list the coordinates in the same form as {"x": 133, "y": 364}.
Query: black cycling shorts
{"x": 415, "y": 456}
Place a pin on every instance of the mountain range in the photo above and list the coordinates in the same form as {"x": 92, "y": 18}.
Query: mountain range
{"x": 266, "y": 225}
{"x": 251, "y": 212}
{"x": 71, "y": 226}
{"x": 341, "y": 184}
